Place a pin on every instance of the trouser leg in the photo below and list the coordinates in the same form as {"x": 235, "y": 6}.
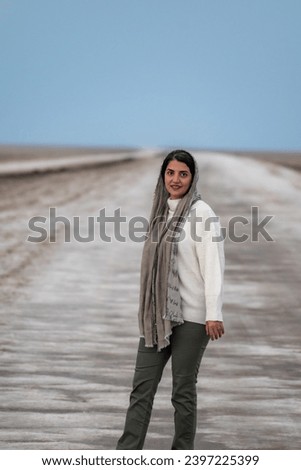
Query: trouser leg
{"x": 188, "y": 344}
{"x": 148, "y": 372}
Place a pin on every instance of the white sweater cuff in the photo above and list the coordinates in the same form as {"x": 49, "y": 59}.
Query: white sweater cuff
{"x": 214, "y": 308}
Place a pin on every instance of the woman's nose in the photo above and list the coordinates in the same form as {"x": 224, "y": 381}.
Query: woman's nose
{"x": 175, "y": 178}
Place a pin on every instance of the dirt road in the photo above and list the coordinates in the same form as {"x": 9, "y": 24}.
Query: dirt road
{"x": 68, "y": 317}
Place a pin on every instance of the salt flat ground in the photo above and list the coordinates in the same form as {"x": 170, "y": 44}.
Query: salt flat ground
{"x": 68, "y": 321}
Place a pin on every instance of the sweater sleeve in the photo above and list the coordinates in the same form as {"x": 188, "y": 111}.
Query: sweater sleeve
{"x": 209, "y": 247}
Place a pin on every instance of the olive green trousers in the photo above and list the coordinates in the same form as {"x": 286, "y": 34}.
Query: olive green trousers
{"x": 187, "y": 345}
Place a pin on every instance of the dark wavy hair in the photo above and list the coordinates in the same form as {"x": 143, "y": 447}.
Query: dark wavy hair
{"x": 181, "y": 156}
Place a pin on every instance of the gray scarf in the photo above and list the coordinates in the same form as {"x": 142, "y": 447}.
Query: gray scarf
{"x": 160, "y": 302}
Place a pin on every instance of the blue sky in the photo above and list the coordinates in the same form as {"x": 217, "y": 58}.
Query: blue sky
{"x": 220, "y": 74}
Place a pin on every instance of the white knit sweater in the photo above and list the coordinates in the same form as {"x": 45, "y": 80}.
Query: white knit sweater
{"x": 200, "y": 264}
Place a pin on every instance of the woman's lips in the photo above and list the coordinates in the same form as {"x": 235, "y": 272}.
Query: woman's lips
{"x": 175, "y": 186}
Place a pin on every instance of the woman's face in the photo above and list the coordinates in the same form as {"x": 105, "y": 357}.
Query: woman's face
{"x": 177, "y": 179}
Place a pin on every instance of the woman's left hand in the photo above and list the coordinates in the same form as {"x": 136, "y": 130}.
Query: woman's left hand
{"x": 215, "y": 329}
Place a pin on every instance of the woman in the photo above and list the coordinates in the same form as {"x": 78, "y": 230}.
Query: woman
{"x": 180, "y": 300}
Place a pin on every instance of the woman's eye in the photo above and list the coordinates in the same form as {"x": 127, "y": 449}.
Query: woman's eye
{"x": 182, "y": 174}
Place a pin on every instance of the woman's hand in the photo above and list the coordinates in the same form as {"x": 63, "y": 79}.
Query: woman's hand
{"x": 215, "y": 329}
